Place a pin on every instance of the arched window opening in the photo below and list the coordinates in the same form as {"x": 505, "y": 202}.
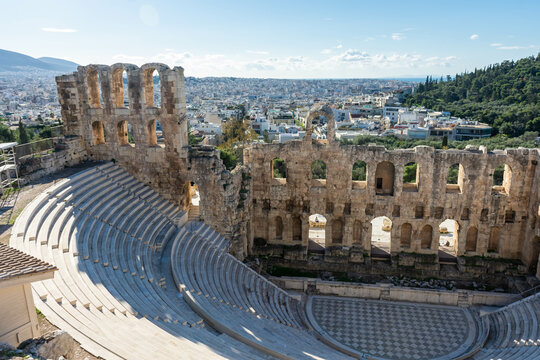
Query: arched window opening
{"x": 494, "y": 235}
{"x": 359, "y": 171}
{"x": 131, "y": 138}
{"x": 95, "y": 98}
{"x": 194, "y": 213}
{"x": 406, "y": 233}
{"x": 159, "y": 133}
{"x": 357, "y": 232}
{"x": 151, "y": 131}
{"x": 410, "y": 177}
{"x": 502, "y": 176}
{"x": 317, "y": 233}
{"x": 384, "y": 178}
{"x": 297, "y": 228}
{"x": 471, "y": 240}
{"x": 381, "y": 228}
{"x": 319, "y": 129}
{"x": 120, "y": 89}
{"x": 454, "y": 178}
{"x": 152, "y": 88}
{"x": 278, "y": 227}
{"x": 98, "y": 133}
{"x": 279, "y": 169}
{"x": 318, "y": 170}
{"x": 426, "y": 237}
{"x": 156, "y": 81}
{"x": 337, "y": 231}
{"x": 448, "y": 240}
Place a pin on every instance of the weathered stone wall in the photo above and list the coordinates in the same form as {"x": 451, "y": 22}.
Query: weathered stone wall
{"x": 494, "y": 222}
{"x": 474, "y": 203}
{"x": 66, "y": 152}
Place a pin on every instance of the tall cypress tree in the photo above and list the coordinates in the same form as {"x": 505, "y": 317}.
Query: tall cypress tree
{"x": 23, "y": 135}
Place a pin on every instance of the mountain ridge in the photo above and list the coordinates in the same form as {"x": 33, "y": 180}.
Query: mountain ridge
{"x": 17, "y": 62}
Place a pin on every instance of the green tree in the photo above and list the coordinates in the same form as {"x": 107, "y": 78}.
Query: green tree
{"x": 229, "y": 158}
{"x": 318, "y": 169}
{"x": 359, "y": 171}
{"x": 279, "y": 169}
{"x": 23, "y": 135}
{"x": 409, "y": 173}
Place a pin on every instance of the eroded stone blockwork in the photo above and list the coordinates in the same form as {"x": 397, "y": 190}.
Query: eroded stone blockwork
{"x": 494, "y": 222}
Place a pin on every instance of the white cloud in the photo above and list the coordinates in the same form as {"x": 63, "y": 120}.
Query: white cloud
{"x": 339, "y": 46}
{"x": 326, "y": 51}
{"x": 397, "y": 36}
{"x": 474, "y": 36}
{"x": 257, "y": 52}
{"x": 495, "y": 44}
{"x": 515, "y": 47}
{"x": 57, "y": 30}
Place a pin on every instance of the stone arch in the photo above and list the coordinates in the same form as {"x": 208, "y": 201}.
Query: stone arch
{"x": 318, "y": 170}
{"x": 426, "y": 237}
{"x": 321, "y": 110}
{"x": 98, "y": 133}
{"x": 296, "y": 228}
{"x": 357, "y": 232}
{"x": 153, "y": 85}
{"x": 384, "y": 178}
{"x": 494, "y": 236}
{"x": 316, "y": 232}
{"x": 93, "y": 81}
{"x": 119, "y": 87}
{"x": 405, "y": 236}
{"x": 381, "y": 236}
{"x": 279, "y": 169}
{"x": 471, "y": 239}
{"x": 448, "y": 238}
{"x": 455, "y": 177}
{"x": 337, "y": 231}
{"x": 278, "y": 228}
{"x": 502, "y": 178}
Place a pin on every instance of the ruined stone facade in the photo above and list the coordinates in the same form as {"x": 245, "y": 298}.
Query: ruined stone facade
{"x": 269, "y": 216}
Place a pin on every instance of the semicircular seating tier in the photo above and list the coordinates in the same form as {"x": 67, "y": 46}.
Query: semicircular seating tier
{"x": 514, "y": 331}
{"x": 111, "y": 238}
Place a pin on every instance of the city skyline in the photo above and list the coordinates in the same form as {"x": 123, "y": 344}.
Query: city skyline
{"x": 278, "y": 40}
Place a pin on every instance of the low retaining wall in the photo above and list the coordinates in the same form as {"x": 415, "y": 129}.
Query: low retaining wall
{"x": 390, "y": 292}
{"x": 66, "y": 152}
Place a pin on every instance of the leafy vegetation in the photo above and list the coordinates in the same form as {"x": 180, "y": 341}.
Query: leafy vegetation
{"x": 502, "y": 142}
{"x": 503, "y": 95}
{"x": 235, "y": 134}
{"x": 359, "y": 171}
{"x": 318, "y": 169}
{"x": 279, "y": 169}
{"x": 409, "y": 173}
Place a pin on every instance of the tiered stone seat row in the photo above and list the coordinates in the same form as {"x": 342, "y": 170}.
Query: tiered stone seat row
{"x": 105, "y": 233}
{"x": 239, "y": 302}
{"x": 514, "y": 331}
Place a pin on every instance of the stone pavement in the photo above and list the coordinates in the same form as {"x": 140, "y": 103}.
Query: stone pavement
{"x": 392, "y": 330}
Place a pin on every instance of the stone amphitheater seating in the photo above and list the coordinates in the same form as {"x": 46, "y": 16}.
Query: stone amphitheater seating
{"x": 108, "y": 234}
{"x": 514, "y": 331}
{"x": 123, "y": 252}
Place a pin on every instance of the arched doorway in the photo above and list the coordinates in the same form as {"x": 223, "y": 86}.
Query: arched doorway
{"x": 381, "y": 229}
{"x": 194, "y": 202}
{"x": 317, "y": 233}
{"x": 448, "y": 241}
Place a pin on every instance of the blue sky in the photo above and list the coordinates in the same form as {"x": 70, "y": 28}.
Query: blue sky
{"x": 285, "y": 39}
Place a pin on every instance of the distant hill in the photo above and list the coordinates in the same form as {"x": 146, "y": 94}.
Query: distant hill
{"x": 17, "y": 62}
{"x": 505, "y": 95}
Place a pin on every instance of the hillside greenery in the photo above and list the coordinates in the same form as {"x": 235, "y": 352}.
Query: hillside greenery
{"x": 505, "y": 95}
{"x": 498, "y": 142}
